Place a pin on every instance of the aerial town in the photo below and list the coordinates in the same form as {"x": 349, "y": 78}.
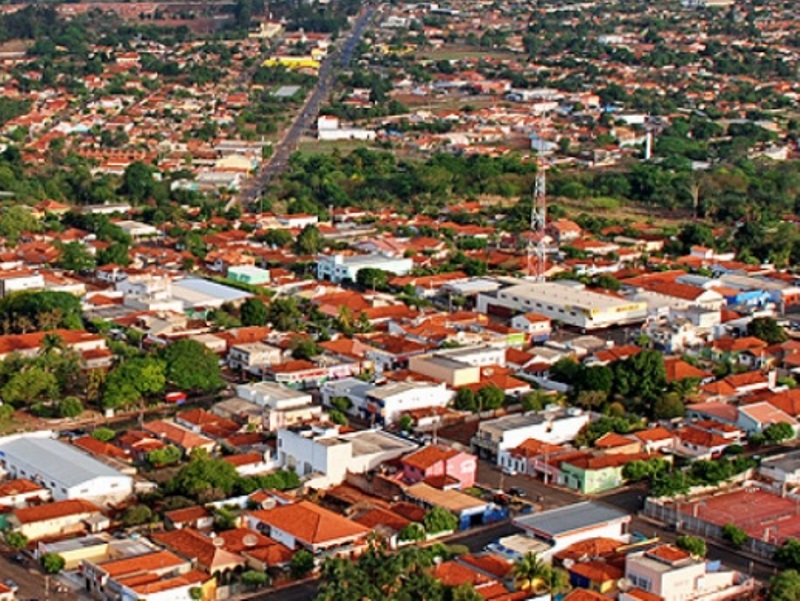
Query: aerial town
{"x": 332, "y": 300}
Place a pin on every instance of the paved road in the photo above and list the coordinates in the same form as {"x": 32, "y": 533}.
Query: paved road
{"x": 253, "y": 189}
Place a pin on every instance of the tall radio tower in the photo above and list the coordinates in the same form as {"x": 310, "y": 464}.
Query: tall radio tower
{"x": 537, "y": 248}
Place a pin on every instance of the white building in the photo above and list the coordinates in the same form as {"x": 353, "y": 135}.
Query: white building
{"x": 329, "y": 128}
{"x": 559, "y": 528}
{"x": 568, "y": 302}
{"x": 553, "y": 425}
{"x": 253, "y": 357}
{"x": 387, "y": 403}
{"x": 340, "y": 268}
{"x": 282, "y": 406}
{"x": 61, "y": 468}
{"x": 20, "y": 279}
{"x": 322, "y": 456}
{"x": 674, "y": 575}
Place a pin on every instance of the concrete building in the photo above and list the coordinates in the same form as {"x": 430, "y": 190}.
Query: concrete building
{"x": 253, "y": 357}
{"x": 282, "y": 407}
{"x": 568, "y": 302}
{"x": 674, "y": 575}
{"x": 323, "y": 456}
{"x": 553, "y": 425}
{"x": 248, "y": 274}
{"x": 341, "y": 268}
{"x": 20, "y": 279}
{"x": 387, "y": 403}
{"x": 61, "y": 468}
{"x": 442, "y": 368}
{"x": 559, "y": 528}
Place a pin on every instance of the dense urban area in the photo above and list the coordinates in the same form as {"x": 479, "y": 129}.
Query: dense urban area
{"x": 346, "y": 301}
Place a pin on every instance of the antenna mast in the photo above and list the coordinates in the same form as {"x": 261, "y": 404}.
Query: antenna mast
{"x": 537, "y": 248}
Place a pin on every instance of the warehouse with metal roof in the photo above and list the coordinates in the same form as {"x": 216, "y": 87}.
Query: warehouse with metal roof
{"x": 61, "y": 468}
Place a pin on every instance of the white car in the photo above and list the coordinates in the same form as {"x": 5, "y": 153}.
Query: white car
{"x": 509, "y": 472}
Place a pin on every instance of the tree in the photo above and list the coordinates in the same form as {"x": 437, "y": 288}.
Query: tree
{"x": 779, "y": 432}
{"x": 767, "y": 329}
{"x": 192, "y": 366}
{"x": 465, "y": 400}
{"x": 788, "y": 554}
{"x": 136, "y": 515}
{"x": 734, "y": 535}
{"x": 412, "y": 532}
{"x": 438, "y": 520}
{"x": 304, "y": 348}
{"x": 30, "y": 385}
{"x": 134, "y": 380}
{"x": 138, "y": 181}
{"x": 203, "y": 474}
{"x": 196, "y": 593}
{"x": 75, "y": 257}
{"x": 309, "y": 241}
{"x": 668, "y": 406}
{"x": 694, "y": 545}
{"x": 490, "y": 397}
{"x": 253, "y": 312}
{"x": 52, "y": 563}
{"x": 14, "y": 220}
{"x": 406, "y": 423}
{"x": 371, "y": 278}
{"x": 284, "y": 314}
{"x": 103, "y": 434}
{"x": 530, "y": 574}
{"x": 16, "y": 540}
{"x": 785, "y": 586}
{"x": 301, "y": 564}
{"x": 536, "y": 400}
{"x": 254, "y": 579}
{"x": 164, "y": 456}
{"x": 69, "y": 407}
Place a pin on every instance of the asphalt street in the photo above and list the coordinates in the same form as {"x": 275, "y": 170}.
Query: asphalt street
{"x": 307, "y": 116}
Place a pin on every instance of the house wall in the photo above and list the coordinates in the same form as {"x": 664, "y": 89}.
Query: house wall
{"x": 590, "y": 481}
{"x": 677, "y": 584}
{"x": 55, "y": 527}
{"x": 454, "y": 376}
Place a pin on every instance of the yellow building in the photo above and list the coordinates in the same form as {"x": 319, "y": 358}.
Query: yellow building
{"x": 443, "y": 369}
{"x": 292, "y": 62}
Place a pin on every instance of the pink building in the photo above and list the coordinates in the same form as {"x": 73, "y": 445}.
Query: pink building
{"x": 457, "y": 467}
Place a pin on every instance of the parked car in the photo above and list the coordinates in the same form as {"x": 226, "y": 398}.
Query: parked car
{"x": 517, "y": 492}
{"x": 509, "y": 472}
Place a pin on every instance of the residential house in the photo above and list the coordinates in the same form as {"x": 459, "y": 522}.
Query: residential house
{"x": 304, "y": 525}
{"x": 203, "y": 550}
{"x": 535, "y": 325}
{"x": 57, "y": 519}
{"x": 437, "y": 462}
{"x": 756, "y": 417}
{"x": 186, "y": 440}
{"x": 197, "y": 517}
{"x": 282, "y": 407}
{"x": 674, "y": 575}
{"x": 21, "y": 492}
{"x": 253, "y": 357}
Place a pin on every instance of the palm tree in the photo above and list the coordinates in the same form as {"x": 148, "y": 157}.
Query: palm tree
{"x": 557, "y": 581}
{"x": 530, "y": 574}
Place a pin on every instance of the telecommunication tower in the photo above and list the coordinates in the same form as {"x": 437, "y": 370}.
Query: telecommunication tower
{"x": 537, "y": 247}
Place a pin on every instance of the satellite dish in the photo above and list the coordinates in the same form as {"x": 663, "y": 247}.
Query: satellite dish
{"x": 624, "y": 584}
{"x": 568, "y": 562}
{"x": 218, "y": 542}
{"x": 250, "y": 540}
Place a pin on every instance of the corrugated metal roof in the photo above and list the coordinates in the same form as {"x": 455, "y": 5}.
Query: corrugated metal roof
{"x": 563, "y": 520}
{"x": 55, "y": 461}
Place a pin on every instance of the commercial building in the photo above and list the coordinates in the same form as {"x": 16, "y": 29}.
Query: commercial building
{"x": 323, "y": 456}
{"x": 559, "y": 528}
{"x": 61, "y": 468}
{"x": 282, "y": 407}
{"x": 553, "y": 425}
{"x": 342, "y": 268}
{"x": 568, "y": 302}
{"x": 387, "y": 403}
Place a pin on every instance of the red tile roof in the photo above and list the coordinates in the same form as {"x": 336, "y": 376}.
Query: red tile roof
{"x": 56, "y": 509}
{"x": 141, "y": 564}
{"x": 310, "y": 523}
{"x": 429, "y": 456}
